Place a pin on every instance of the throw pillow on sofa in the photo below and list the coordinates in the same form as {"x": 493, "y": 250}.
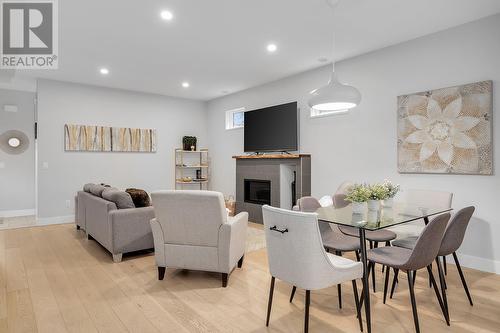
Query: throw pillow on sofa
{"x": 140, "y": 197}
{"x": 86, "y": 187}
{"x": 122, "y": 199}
{"x": 96, "y": 189}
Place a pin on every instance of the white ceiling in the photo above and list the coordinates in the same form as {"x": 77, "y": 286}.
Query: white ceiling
{"x": 220, "y": 45}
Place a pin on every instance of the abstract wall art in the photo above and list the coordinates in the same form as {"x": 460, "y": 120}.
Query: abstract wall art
{"x": 108, "y": 139}
{"x": 446, "y": 131}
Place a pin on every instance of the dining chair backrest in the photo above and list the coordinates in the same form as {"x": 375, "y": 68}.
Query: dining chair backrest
{"x": 339, "y": 198}
{"x": 428, "y": 244}
{"x": 455, "y": 231}
{"x": 294, "y": 248}
{"x": 427, "y": 198}
{"x": 311, "y": 205}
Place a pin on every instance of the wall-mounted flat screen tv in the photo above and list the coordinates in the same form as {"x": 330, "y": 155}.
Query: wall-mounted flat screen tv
{"x": 274, "y": 128}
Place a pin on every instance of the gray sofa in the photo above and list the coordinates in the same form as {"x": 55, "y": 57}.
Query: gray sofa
{"x": 118, "y": 230}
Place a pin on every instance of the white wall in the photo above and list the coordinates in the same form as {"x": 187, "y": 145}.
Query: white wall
{"x": 361, "y": 146}
{"x": 62, "y": 103}
{"x": 17, "y": 172}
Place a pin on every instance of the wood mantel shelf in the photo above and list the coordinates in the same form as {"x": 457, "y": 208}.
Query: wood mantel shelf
{"x": 271, "y": 156}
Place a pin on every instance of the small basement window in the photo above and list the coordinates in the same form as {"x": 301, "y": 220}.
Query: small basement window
{"x": 235, "y": 118}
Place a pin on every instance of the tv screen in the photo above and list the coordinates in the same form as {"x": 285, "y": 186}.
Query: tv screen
{"x": 272, "y": 129}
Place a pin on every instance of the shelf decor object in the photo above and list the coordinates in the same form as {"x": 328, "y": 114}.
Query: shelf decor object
{"x": 191, "y": 169}
{"x": 14, "y": 142}
{"x": 446, "y": 131}
{"x": 335, "y": 96}
{"x": 189, "y": 143}
{"x": 109, "y": 139}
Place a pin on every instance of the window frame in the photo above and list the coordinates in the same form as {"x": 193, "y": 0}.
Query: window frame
{"x": 230, "y": 118}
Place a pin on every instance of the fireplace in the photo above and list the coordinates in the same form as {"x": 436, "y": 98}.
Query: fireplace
{"x": 258, "y": 191}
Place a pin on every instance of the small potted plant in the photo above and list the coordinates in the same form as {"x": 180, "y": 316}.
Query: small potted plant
{"x": 377, "y": 193}
{"x": 358, "y": 195}
{"x": 189, "y": 143}
{"x": 392, "y": 190}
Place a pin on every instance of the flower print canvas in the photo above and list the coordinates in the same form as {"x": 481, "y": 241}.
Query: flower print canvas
{"x": 447, "y": 131}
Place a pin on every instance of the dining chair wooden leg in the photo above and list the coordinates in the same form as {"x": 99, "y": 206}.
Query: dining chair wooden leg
{"x": 444, "y": 265}
{"x": 339, "y": 286}
{"x": 370, "y": 265}
{"x": 375, "y": 245}
{"x": 356, "y": 301}
{"x": 293, "y": 293}
{"x": 414, "y": 277}
{"x": 443, "y": 285}
{"x": 270, "y": 301}
{"x": 386, "y": 282}
{"x": 413, "y": 301}
{"x": 444, "y": 309}
{"x": 462, "y": 277}
{"x": 357, "y": 255}
{"x": 394, "y": 281}
{"x": 306, "y": 318}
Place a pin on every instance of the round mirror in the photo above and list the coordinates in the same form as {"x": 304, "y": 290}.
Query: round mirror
{"x": 14, "y": 142}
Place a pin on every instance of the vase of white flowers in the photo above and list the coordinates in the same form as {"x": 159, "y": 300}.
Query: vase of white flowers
{"x": 358, "y": 195}
{"x": 392, "y": 190}
{"x": 377, "y": 193}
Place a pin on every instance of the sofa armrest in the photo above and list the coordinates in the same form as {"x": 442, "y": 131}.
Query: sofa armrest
{"x": 232, "y": 241}
{"x": 159, "y": 242}
{"x": 131, "y": 229}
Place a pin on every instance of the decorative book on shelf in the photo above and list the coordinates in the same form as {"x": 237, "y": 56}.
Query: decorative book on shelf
{"x": 191, "y": 169}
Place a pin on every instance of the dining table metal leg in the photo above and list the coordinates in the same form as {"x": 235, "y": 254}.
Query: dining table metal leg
{"x": 366, "y": 286}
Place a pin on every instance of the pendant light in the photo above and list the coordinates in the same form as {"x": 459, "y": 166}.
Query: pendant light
{"x": 335, "y": 96}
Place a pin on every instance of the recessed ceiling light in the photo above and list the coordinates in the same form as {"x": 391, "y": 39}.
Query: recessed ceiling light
{"x": 271, "y": 48}
{"x": 185, "y": 84}
{"x": 104, "y": 71}
{"x": 166, "y": 15}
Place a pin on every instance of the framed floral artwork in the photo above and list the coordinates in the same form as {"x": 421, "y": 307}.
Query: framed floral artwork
{"x": 446, "y": 131}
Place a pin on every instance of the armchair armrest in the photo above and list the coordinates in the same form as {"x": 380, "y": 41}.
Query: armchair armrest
{"x": 130, "y": 229}
{"x": 232, "y": 241}
{"x": 159, "y": 242}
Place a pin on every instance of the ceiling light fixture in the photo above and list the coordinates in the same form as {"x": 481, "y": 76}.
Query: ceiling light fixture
{"x": 14, "y": 142}
{"x": 335, "y": 96}
{"x": 271, "y": 48}
{"x": 185, "y": 84}
{"x": 104, "y": 71}
{"x": 166, "y": 15}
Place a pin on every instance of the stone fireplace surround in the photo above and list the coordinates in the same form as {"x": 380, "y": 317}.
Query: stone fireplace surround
{"x": 278, "y": 169}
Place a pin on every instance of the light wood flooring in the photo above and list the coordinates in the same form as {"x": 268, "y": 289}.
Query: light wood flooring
{"x": 52, "y": 279}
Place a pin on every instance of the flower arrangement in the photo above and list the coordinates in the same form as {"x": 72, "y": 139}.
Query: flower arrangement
{"x": 358, "y": 193}
{"x": 377, "y": 192}
{"x": 392, "y": 189}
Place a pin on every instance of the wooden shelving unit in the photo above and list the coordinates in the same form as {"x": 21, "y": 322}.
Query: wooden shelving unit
{"x": 187, "y": 163}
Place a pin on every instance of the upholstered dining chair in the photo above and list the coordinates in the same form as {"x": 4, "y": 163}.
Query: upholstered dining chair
{"x": 296, "y": 255}
{"x": 373, "y": 237}
{"x": 192, "y": 231}
{"x": 333, "y": 240}
{"x": 452, "y": 240}
{"x": 421, "y": 256}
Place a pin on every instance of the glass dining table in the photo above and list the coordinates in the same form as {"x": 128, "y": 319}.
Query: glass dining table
{"x": 398, "y": 214}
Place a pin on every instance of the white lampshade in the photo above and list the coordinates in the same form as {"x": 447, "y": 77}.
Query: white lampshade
{"x": 334, "y": 97}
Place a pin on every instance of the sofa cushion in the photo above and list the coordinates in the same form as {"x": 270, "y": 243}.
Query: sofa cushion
{"x": 96, "y": 189}
{"x": 140, "y": 197}
{"x": 86, "y": 187}
{"x": 122, "y": 199}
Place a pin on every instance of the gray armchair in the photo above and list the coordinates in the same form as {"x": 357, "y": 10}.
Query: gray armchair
{"x": 192, "y": 231}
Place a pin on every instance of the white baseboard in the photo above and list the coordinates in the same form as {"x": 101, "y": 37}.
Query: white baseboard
{"x": 15, "y": 213}
{"x": 55, "y": 220}
{"x": 481, "y": 264}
